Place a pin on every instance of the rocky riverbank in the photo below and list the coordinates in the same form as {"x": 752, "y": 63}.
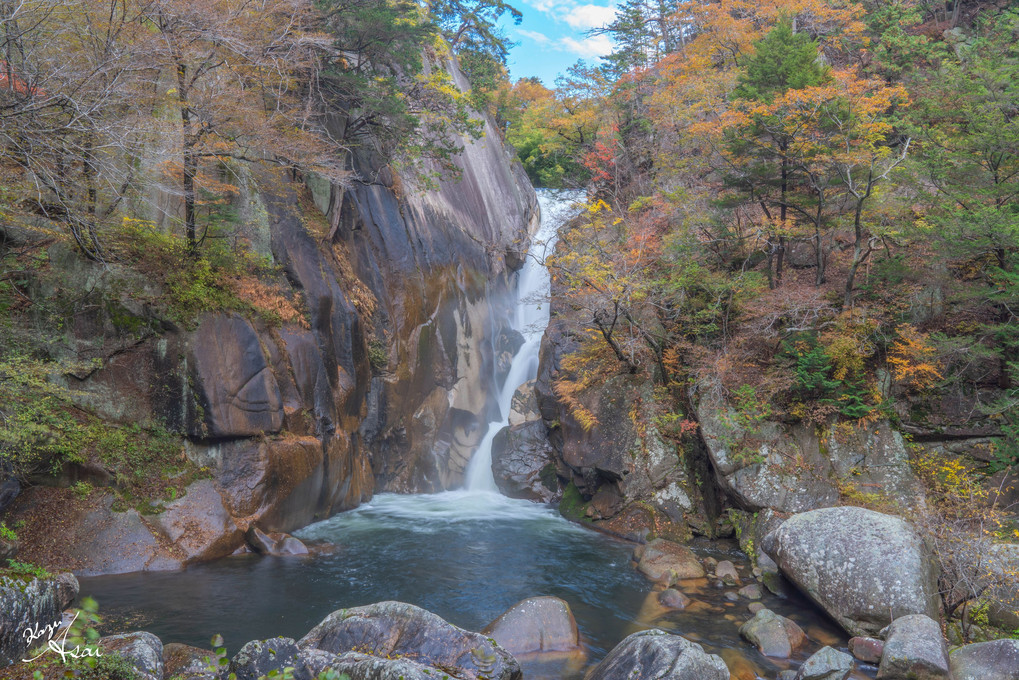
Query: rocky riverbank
{"x": 393, "y": 640}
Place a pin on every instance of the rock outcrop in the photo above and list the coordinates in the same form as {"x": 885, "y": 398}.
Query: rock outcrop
{"x": 383, "y": 381}
{"x": 523, "y": 459}
{"x": 656, "y": 654}
{"x": 862, "y": 567}
{"x": 755, "y": 470}
{"x": 31, "y": 604}
{"x": 620, "y": 472}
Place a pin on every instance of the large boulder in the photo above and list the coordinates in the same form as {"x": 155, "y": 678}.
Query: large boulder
{"x": 359, "y": 666}
{"x": 914, "y": 650}
{"x": 667, "y": 562}
{"x": 659, "y": 655}
{"x": 143, "y": 650}
{"x": 388, "y": 629}
{"x": 826, "y": 664}
{"x": 537, "y": 624}
{"x": 199, "y": 525}
{"x": 523, "y": 462}
{"x": 995, "y": 660}
{"x": 774, "y": 635}
{"x": 30, "y": 604}
{"x": 862, "y": 567}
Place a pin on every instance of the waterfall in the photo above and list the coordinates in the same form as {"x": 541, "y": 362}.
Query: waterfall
{"x": 530, "y": 319}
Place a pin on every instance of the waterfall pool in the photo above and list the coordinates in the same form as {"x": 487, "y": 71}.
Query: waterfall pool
{"x": 467, "y": 556}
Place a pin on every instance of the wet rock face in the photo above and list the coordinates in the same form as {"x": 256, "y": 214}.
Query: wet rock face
{"x": 862, "y": 567}
{"x": 390, "y": 629}
{"x": 30, "y": 604}
{"x": 656, "y": 654}
{"x": 995, "y": 660}
{"x": 523, "y": 458}
{"x": 236, "y": 391}
{"x": 914, "y": 650}
{"x": 536, "y": 625}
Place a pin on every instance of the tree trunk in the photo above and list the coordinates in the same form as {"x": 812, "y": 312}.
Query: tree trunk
{"x": 190, "y": 161}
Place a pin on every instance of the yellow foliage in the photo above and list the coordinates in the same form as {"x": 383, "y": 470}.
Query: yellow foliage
{"x": 579, "y": 371}
{"x": 849, "y": 343}
{"x": 913, "y": 360}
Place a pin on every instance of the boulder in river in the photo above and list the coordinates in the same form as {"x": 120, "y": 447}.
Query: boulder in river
{"x": 995, "y": 660}
{"x": 667, "y": 562}
{"x": 914, "y": 650}
{"x": 673, "y": 599}
{"x": 775, "y": 636}
{"x": 535, "y": 625}
{"x": 388, "y": 629}
{"x": 523, "y": 462}
{"x": 659, "y": 655}
{"x": 866, "y": 649}
{"x": 826, "y": 664}
{"x": 863, "y": 567}
{"x": 274, "y": 544}
{"x": 725, "y": 571}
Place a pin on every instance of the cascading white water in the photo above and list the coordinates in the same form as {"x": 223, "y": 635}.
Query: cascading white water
{"x": 530, "y": 319}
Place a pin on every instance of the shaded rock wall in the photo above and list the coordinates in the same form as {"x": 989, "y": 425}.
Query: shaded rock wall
{"x": 622, "y": 473}
{"x": 794, "y": 468}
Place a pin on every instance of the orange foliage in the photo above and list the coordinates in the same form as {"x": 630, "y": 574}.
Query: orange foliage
{"x": 913, "y": 359}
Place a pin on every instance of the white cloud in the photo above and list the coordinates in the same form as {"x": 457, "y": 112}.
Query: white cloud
{"x": 552, "y": 6}
{"x": 584, "y": 17}
{"x": 537, "y": 37}
{"x": 588, "y": 48}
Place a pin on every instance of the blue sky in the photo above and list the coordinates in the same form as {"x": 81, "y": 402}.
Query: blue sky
{"x": 553, "y": 35}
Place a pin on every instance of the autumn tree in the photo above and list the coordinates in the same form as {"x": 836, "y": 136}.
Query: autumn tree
{"x": 66, "y": 123}
{"x": 231, "y": 68}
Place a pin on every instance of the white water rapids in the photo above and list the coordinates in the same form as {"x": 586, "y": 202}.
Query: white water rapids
{"x": 530, "y": 319}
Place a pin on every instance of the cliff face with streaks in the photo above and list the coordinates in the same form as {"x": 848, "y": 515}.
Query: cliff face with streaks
{"x": 383, "y": 385}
